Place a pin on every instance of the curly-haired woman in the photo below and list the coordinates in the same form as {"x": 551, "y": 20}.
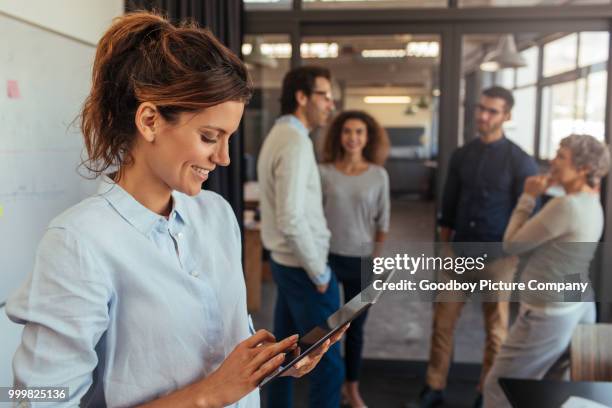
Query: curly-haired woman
{"x": 356, "y": 201}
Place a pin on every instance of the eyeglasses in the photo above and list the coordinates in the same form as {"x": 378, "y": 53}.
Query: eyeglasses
{"x": 327, "y": 95}
{"x": 481, "y": 108}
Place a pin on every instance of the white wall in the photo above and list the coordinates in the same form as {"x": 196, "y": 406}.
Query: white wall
{"x": 83, "y": 19}
{"x": 9, "y": 340}
{"x": 390, "y": 115}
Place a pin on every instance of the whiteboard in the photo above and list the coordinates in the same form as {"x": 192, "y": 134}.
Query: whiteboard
{"x": 39, "y": 149}
{"x": 9, "y": 341}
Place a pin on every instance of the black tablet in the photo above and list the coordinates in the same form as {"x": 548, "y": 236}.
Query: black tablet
{"x": 346, "y": 314}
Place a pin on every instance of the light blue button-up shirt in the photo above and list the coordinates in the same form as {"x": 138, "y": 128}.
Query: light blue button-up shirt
{"x": 124, "y": 306}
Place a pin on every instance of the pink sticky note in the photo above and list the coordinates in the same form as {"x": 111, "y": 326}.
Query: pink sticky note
{"x": 12, "y": 89}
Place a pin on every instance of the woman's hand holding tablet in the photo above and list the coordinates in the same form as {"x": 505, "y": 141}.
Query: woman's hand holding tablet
{"x": 309, "y": 362}
{"x": 245, "y": 367}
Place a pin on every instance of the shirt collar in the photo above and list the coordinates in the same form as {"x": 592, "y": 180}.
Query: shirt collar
{"x": 139, "y": 216}
{"x": 502, "y": 141}
{"x": 292, "y": 120}
{"x": 179, "y": 207}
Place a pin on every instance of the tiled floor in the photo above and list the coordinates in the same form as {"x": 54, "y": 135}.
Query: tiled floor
{"x": 396, "y": 384}
{"x": 397, "y": 331}
{"x": 398, "y": 328}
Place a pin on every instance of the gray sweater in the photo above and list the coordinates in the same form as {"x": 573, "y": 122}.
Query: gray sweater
{"x": 293, "y": 224}
{"x": 561, "y": 240}
{"x": 356, "y": 207}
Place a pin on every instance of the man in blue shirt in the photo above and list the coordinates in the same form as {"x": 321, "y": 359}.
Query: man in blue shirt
{"x": 485, "y": 179}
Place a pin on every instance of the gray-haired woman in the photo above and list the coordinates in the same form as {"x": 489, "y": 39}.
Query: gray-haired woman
{"x": 561, "y": 240}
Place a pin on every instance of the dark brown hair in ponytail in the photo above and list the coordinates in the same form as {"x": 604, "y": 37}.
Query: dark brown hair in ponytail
{"x": 143, "y": 57}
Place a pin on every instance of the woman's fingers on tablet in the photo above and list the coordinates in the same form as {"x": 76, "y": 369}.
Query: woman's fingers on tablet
{"x": 324, "y": 348}
{"x": 336, "y": 337}
{"x": 308, "y": 363}
{"x": 268, "y": 368}
{"x": 260, "y": 337}
{"x": 269, "y": 351}
{"x": 313, "y": 359}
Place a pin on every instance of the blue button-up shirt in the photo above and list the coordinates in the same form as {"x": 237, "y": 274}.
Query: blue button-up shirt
{"x": 124, "y": 306}
{"x": 482, "y": 188}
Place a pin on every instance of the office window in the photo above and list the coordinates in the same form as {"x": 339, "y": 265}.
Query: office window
{"x": 378, "y": 4}
{"x": 558, "y": 116}
{"x": 505, "y": 78}
{"x": 268, "y": 4}
{"x": 521, "y": 129}
{"x": 573, "y": 107}
{"x": 595, "y": 105}
{"x": 574, "y": 102}
{"x": 528, "y": 3}
{"x": 521, "y": 81}
{"x": 528, "y": 75}
{"x": 577, "y": 106}
{"x": 580, "y": 104}
{"x": 406, "y": 98}
{"x": 593, "y": 48}
{"x": 268, "y": 59}
{"x": 560, "y": 55}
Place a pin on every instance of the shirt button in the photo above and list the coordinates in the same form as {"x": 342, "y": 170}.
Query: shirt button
{"x": 174, "y": 214}
{"x": 195, "y": 274}
{"x": 179, "y": 235}
{"x": 472, "y": 224}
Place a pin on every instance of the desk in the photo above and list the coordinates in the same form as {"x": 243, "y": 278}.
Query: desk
{"x": 256, "y": 271}
{"x": 253, "y": 247}
{"x": 552, "y": 394}
{"x": 591, "y": 355}
{"x": 252, "y": 266}
{"x": 410, "y": 176}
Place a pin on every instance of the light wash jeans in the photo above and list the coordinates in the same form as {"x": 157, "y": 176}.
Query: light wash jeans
{"x": 537, "y": 346}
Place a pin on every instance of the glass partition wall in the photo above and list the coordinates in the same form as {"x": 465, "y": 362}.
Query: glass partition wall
{"x": 562, "y": 87}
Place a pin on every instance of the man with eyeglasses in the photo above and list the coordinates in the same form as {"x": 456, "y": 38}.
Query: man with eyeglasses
{"x": 485, "y": 179}
{"x": 295, "y": 232}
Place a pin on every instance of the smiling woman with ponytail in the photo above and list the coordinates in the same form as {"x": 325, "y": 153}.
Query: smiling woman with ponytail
{"x": 137, "y": 294}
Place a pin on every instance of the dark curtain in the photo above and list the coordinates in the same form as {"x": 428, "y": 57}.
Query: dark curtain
{"x": 224, "y": 19}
